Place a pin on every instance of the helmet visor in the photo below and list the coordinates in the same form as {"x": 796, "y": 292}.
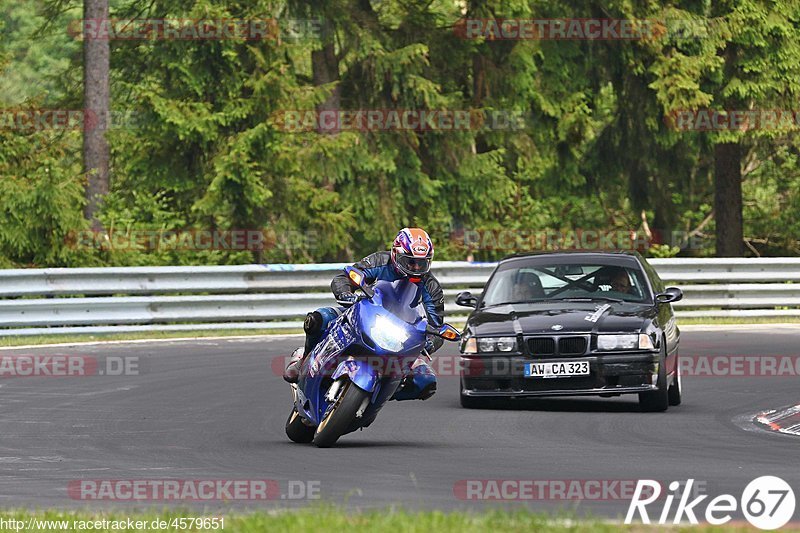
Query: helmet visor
{"x": 413, "y": 265}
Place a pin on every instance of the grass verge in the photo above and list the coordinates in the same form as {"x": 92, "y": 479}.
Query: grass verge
{"x": 324, "y": 519}
{"x": 738, "y": 320}
{"x": 57, "y": 339}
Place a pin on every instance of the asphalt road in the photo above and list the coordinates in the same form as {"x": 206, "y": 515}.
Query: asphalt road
{"x": 215, "y": 409}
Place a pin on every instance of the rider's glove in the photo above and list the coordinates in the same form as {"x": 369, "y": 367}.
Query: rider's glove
{"x": 347, "y": 299}
{"x": 429, "y": 346}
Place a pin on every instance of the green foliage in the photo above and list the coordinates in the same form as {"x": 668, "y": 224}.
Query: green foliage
{"x": 663, "y": 250}
{"x": 41, "y": 62}
{"x": 202, "y": 143}
{"x": 41, "y": 194}
{"x": 325, "y": 517}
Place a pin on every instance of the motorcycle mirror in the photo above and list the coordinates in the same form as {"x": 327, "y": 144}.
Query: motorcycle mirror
{"x": 358, "y": 278}
{"x": 447, "y": 332}
{"x": 355, "y": 275}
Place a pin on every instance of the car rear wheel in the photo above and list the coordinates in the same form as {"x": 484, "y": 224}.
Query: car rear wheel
{"x": 657, "y": 400}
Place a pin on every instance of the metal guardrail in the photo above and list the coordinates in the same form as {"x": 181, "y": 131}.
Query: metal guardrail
{"x": 101, "y": 300}
{"x": 216, "y": 279}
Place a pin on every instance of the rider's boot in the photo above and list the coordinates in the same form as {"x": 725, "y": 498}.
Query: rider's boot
{"x": 419, "y": 384}
{"x": 312, "y": 327}
{"x": 292, "y": 372}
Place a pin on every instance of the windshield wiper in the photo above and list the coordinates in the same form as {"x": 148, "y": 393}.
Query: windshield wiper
{"x": 593, "y": 298}
{"x": 532, "y": 300}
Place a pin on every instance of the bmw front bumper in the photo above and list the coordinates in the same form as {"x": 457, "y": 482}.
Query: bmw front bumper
{"x": 610, "y": 374}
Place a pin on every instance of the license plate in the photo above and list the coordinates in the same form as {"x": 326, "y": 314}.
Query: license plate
{"x": 557, "y": 369}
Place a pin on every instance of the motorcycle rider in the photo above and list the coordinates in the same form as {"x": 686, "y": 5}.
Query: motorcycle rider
{"x": 410, "y": 258}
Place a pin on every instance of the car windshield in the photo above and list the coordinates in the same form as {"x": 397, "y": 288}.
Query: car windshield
{"x": 556, "y": 282}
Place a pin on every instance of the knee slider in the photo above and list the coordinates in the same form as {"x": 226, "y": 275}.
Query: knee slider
{"x": 312, "y": 325}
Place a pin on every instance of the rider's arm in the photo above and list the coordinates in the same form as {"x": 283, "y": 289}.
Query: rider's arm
{"x": 433, "y": 301}
{"x": 369, "y": 265}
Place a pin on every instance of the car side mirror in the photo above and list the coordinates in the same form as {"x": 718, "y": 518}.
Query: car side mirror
{"x": 466, "y": 299}
{"x": 671, "y": 294}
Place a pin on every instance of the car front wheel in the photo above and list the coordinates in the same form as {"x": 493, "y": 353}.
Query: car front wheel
{"x": 676, "y": 389}
{"x": 657, "y": 400}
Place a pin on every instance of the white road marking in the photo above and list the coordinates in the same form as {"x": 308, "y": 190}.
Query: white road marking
{"x": 280, "y": 336}
{"x": 776, "y": 327}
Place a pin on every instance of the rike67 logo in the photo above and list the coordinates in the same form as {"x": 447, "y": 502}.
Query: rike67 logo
{"x": 767, "y": 502}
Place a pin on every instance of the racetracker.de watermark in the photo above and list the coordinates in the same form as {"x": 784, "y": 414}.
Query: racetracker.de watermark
{"x": 170, "y": 490}
{"x": 733, "y": 120}
{"x": 440, "y": 365}
{"x": 507, "y": 240}
{"x": 731, "y": 366}
{"x": 188, "y": 29}
{"x": 35, "y": 119}
{"x": 36, "y": 523}
{"x": 384, "y": 120}
{"x": 481, "y": 366}
{"x": 24, "y": 366}
{"x": 580, "y": 29}
{"x": 551, "y": 489}
{"x": 253, "y": 240}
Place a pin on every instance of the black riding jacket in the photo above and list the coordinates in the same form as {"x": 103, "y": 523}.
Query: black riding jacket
{"x": 378, "y": 266}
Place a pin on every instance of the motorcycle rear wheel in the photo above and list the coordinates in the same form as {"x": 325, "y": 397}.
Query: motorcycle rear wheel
{"x": 297, "y": 430}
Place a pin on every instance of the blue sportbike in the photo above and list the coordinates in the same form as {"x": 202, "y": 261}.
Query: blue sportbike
{"x": 360, "y": 362}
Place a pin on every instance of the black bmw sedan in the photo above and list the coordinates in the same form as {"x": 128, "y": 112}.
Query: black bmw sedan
{"x": 569, "y": 323}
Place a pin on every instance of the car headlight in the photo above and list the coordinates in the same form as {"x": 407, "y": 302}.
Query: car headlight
{"x": 624, "y": 342}
{"x": 646, "y": 342}
{"x": 470, "y": 345}
{"x": 497, "y": 344}
{"x": 387, "y": 334}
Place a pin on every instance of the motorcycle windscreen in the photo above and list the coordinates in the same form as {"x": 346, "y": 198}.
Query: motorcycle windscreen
{"x": 401, "y": 298}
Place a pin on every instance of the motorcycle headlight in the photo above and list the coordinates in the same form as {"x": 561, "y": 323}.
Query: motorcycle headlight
{"x": 497, "y": 344}
{"x": 387, "y": 334}
{"x": 624, "y": 342}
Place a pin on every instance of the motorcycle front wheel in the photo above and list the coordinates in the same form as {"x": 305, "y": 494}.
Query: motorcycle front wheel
{"x": 340, "y": 416}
